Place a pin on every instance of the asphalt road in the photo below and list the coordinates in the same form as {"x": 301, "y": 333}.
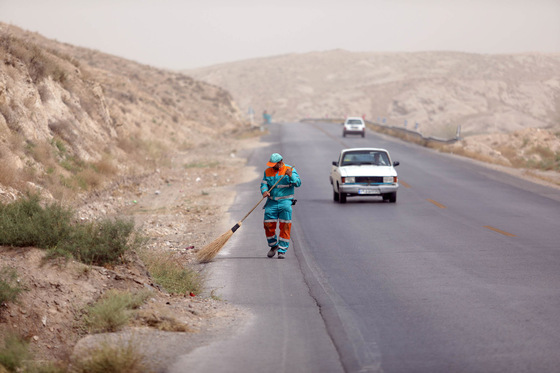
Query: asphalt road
{"x": 462, "y": 274}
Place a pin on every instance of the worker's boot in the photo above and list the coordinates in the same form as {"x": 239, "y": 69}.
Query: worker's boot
{"x": 281, "y": 256}
{"x": 272, "y": 251}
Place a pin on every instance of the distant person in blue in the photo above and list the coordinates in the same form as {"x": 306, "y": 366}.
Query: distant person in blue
{"x": 278, "y": 207}
{"x": 267, "y": 118}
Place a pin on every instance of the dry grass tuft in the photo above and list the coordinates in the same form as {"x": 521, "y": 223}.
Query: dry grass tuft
{"x": 123, "y": 357}
{"x": 161, "y": 318}
{"x": 88, "y": 179}
{"x": 40, "y": 64}
{"x": 112, "y": 312}
{"x": 174, "y": 276}
{"x": 473, "y": 155}
{"x": 105, "y": 167}
{"x": 9, "y": 176}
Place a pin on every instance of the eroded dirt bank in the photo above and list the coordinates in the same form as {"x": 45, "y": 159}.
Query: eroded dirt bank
{"x": 180, "y": 207}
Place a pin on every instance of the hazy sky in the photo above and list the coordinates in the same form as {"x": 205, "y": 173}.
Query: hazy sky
{"x": 179, "y": 34}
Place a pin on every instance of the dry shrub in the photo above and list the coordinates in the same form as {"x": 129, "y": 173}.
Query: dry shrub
{"x": 145, "y": 153}
{"x": 542, "y": 177}
{"x": 174, "y": 276}
{"x": 15, "y": 142}
{"x": 43, "y": 153}
{"x": 29, "y": 102}
{"x": 11, "y": 70}
{"x": 9, "y": 176}
{"x": 88, "y": 102}
{"x": 112, "y": 311}
{"x": 160, "y": 318}
{"x": 40, "y": 64}
{"x": 541, "y": 151}
{"x": 510, "y": 153}
{"x": 59, "y": 191}
{"x": 88, "y": 179}
{"x": 185, "y": 145}
{"x": 473, "y": 155}
{"x": 44, "y": 93}
{"x": 14, "y": 352}
{"x": 121, "y": 357}
{"x": 9, "y": 116}
{"x": 128, "y": 145}
{"x": 105, "y": 167}
{"x": 63, "y": 128}
{"x": 75, "y": 109}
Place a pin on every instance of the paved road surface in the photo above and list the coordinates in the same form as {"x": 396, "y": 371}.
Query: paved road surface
{"x": 462, "y": 274}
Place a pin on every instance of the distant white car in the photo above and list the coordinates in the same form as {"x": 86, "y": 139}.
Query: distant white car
{"x": 354, "y": 126}
{"x": 364, "y": 172}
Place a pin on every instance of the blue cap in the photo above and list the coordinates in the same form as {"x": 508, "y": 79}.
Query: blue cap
{"x": 274, "y": 158}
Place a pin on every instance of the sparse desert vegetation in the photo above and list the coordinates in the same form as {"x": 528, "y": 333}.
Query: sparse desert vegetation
{"x": 82, "y": 135}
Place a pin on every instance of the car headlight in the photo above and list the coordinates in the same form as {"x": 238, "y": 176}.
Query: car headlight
{"x": 389, "y": 179}
{"x": 348, "y": 180}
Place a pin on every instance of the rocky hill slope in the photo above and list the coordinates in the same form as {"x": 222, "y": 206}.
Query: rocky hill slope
{"x": 71, "y": 118}
{"x": 113, "y": 138}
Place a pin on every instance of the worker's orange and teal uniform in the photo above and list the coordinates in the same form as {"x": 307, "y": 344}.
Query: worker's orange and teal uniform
{"x": 278, "y": 208}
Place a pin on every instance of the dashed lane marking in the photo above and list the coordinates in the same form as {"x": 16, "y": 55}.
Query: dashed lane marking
{"x": 499, "y": 231}
{"x": 437, "y": 204}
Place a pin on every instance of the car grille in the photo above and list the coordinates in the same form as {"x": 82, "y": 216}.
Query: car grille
{"x": 369, "y": 179}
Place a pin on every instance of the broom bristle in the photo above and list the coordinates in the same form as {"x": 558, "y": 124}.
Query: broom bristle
{"x": 208, "y": 252}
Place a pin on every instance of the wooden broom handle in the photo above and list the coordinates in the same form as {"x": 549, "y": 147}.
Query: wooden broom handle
{"x": 258, "y": 203}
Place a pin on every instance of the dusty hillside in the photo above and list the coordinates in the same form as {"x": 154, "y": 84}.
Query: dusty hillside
{"x": 439, "y": 90}
{"x": 82, "y": 116}
{"x": 112, "y": 137}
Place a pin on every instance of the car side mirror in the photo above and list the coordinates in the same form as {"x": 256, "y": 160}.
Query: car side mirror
{"x": 396, "y": 163}
{"x": 335, "y": 163}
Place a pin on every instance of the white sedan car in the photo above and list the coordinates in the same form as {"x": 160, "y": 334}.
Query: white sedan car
{"x": 354, "y": 126}
{"x": 364, "y": 172}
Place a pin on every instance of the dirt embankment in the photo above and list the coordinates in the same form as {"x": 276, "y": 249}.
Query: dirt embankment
{"x": 180, "y": 208}
{"x": 111, "y": 137}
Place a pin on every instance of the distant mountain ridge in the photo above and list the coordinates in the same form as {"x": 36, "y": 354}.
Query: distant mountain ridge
{"x": 438, "y": 90}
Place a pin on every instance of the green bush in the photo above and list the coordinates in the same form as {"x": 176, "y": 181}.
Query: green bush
{"x": 103, "y": 242}
{"x": 16, "y": 356}
{"x": 9, "y": 286}
{"x": 26, "y": 223}
{"x": 14, "y": 351}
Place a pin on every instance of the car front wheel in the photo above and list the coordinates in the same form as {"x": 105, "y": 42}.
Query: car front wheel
{"x": 392, "y": 197}
{"x": 339, "y": 196}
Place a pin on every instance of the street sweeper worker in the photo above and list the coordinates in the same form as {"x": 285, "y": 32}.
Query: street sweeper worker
{"x": 278, "y": 207}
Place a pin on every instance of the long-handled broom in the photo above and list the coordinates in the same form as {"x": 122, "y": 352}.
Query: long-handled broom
{"x": 208, "y": 252}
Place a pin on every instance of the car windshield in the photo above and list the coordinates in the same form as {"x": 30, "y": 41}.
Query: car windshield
{"x": 365, "y": 158}
{"x": 354, "y": 121}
